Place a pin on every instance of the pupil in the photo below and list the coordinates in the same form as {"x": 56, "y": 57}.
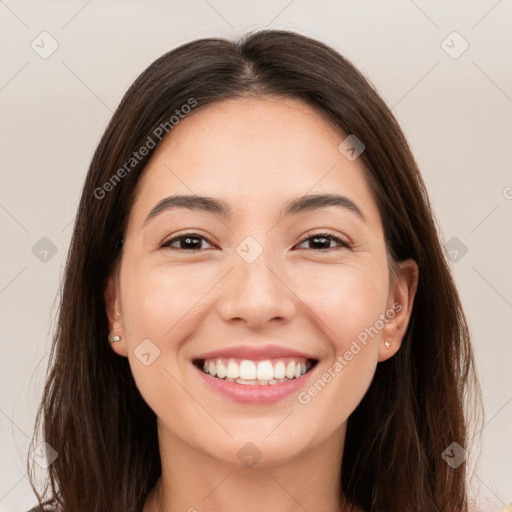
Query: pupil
{"x": 187, "y": 241}
{"x": 316, "y": 238}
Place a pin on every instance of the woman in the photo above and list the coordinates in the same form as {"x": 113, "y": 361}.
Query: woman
{"x": 257, "y": 313}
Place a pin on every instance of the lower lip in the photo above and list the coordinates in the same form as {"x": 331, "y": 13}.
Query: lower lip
{"x": 255, "y": 394}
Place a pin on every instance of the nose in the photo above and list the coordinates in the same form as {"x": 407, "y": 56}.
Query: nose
{"x": 257, "y": 294}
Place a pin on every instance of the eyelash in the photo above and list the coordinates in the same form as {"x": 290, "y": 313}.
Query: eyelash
{"x": 342, "y": 242}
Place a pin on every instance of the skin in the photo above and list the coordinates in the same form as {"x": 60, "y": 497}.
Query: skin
{"x": 255, "y": 154}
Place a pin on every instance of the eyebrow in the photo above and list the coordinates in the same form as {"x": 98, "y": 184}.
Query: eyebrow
{"x": 215, "y": 206}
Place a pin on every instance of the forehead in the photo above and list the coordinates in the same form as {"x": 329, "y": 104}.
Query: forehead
{"x": 251, "y": 131}
{"x": 253, "y": 152}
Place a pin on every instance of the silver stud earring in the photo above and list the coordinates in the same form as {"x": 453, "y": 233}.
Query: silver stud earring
{"x": 387, "y": 343}
{"x": 113, "y": 339}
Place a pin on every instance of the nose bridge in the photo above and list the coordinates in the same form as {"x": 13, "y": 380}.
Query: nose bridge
{"x": 255, "y": 291}
{"x": 253, "y": 270}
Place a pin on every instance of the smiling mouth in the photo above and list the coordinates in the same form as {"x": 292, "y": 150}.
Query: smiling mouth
{"x": 256, "y": 373}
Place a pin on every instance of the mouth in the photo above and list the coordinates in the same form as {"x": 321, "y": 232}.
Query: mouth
{"x": 247, "y": 372}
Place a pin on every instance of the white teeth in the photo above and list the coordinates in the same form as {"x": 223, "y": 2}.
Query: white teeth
{"x": 221, "y": 370}
{"x": 247, "y": 370}
{"x": 267, "y": 372}
{"x": 290, "y": 370}
{"x": 279, "y": 370}
{"x": 233, "y": 371}
{"x": 244, "y": 381}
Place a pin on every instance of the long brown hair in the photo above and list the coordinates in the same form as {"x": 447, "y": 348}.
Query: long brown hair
{"x": 92, "y": 413}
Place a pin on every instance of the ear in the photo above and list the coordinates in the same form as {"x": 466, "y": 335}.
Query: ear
{"x": 402, "y": 291}
{"x": 115, "y": 320}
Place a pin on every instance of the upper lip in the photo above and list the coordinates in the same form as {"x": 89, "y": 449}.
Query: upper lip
{"x": 255, "y": 353}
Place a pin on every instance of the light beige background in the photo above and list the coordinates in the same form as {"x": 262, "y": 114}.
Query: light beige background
{"x": 456, "y": 113}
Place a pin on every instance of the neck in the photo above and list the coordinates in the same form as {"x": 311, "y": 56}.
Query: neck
{"x": 193, "y": 481}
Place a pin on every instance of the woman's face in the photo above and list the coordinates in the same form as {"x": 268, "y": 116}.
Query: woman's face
{"x": 254, "y": 291}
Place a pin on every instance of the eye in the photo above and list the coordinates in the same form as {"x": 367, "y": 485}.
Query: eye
{"x": 189, "y": 242}
{"x": 324, "y": 239}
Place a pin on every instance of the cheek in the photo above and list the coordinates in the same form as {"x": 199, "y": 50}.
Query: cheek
{"x": 160, "y": 312}
{"x": 347, "y": 308}
{"x": 157, "y": 310}
{"x": 158, "y": 302}
{"x": 347, "y": 300}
